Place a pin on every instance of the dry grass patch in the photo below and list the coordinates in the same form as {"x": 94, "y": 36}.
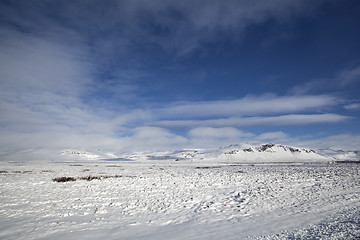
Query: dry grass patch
{"x": 208, "y": 167}
{"x": 87, "y": 178}
{"x": 64, "y": 179}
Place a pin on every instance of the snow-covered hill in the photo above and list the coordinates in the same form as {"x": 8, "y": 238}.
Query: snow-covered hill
{"x": 340, "y": 155}
{"x": 77, "y": 155}
{"x": 239, "y": 152}
{"x": 268, "y": 152}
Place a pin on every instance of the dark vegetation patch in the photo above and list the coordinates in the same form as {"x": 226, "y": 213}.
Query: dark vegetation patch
{"x": 86, "y": 170}
{"x": 241, "y": 164}
{"x": 75, "y": 165}
{"x": 353, "y": 161}
{"x": 208, "y": 167}
{"x": 88, "y": 178}
{"x": 47, "y": 171}
{"x": 2, "y": 171}
{"x": 64, "y": 179}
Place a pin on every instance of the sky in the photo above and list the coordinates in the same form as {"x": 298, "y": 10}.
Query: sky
{"x": 136, "y": 75}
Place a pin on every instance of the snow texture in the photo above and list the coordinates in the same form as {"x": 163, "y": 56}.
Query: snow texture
{"x": 190, "y": 197}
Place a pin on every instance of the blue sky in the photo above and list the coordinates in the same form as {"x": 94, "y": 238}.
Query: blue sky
{"x": 140, "y": 75}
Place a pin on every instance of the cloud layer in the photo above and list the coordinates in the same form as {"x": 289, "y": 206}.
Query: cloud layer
{"x": 254, "y": 105}
{"x": 73, "y": 75}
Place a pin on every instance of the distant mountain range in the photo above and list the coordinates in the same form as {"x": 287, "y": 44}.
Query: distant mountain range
{"x": 239, "y": 153}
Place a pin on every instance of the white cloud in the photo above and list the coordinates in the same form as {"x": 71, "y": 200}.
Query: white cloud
{"x": 29, "y": 64}
{"x": 349, "y": 76}
{"x": 205, "y": 132}
{"x": 353, "y": 106}
{"x": 43, "y": 83}
{"x": 336, "y": 142}
{"x": 292, "y": 119}
{"x": 201, "y": 21}
{"x": 341, "y": 79}
{"x": 41, "y": 97}
{"x": 253, "y": 105}
{"x": 40, "y": 83}
{"x": 152, "y": 139}
{"x": 215, "y": 137}
{"x": 273, "y": 136}
{"x": 185, "y": 29}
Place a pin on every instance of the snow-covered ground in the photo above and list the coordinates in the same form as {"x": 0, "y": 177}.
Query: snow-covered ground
{"x": 180, "y": 199}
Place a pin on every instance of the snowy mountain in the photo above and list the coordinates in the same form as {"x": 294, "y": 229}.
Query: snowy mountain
{"x": 268, "y": 152}
{"x": 77, "y": 155}
{"x": 340, "y": 155}
{"x": 239, "y": 152}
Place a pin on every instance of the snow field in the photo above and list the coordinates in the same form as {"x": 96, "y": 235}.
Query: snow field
{"x": 198, "y": 200}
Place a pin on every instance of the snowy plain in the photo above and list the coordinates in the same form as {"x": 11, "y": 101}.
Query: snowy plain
{"x": 180, "y": 199}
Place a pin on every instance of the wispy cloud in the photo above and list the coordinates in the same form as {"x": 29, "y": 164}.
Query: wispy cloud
{"x": 177, "y": 26}
{"x": 253, "y": 105}
{"x": 42, "y": 84}
{"x": 31, "y": 64}
{"x": 349, "y": 76}
{"x": 42, "y": 103}
{"x": 336, "y": 142}
{"x": 264, "y": 110}
{"x": 285, "y": 120}
{"x": 201, "y": 21}
{"x": 273, "y": 136}
{"x": 353, "y": 106}
{"x": 211, "y": 137}
{"x": 341, "y": 80}
{"x": 152, "y": 138}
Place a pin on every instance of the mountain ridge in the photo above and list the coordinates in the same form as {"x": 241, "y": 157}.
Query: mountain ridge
{"x": 242, "y": 152}
{"x": 267, "y": 152}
